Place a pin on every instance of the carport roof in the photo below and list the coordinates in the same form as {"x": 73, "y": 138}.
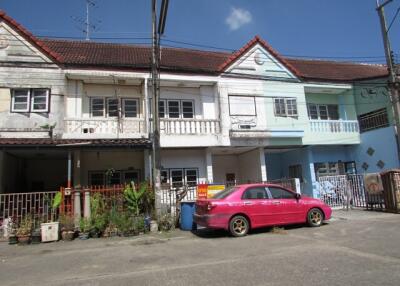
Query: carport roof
{"x": 48, "y": 142}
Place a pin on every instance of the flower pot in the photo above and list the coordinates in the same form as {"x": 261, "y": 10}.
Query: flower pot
{"x": 84, "y": 235}
{"x": 36, "y": 237}
{"x": 24, "y": 239}
{"x": 12, "y": 239}
{"x": 67, "y": 235}
{"x": 153, "y": 226}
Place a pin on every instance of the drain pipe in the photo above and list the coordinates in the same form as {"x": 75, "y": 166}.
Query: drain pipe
{"x": 69, "y": 169}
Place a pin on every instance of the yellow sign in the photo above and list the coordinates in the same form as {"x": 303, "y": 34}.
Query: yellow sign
{"x": 206, "y": 191}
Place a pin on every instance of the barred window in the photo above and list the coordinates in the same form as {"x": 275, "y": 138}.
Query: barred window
{"x": 373, "y": 120}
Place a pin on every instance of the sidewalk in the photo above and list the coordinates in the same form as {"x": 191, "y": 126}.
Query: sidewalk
{"x": 360, "y": 214}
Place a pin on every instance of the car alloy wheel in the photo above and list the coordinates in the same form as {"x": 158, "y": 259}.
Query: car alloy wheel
{"x": 239, "y": 226}
{"x": 315, "y": 217}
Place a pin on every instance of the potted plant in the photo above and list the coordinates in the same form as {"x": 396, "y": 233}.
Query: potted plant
{"x": 24, "y": 230}
{"x": 85, "y": 226}
{"x": 67, "y": 227}
{"x": 12, "y": 231}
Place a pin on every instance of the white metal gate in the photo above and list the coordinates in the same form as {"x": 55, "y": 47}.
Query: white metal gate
{"x": 342, "y": 191}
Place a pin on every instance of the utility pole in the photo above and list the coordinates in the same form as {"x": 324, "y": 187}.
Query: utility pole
{"x": 155, "y": 76}
{"x": 393, "y": 81}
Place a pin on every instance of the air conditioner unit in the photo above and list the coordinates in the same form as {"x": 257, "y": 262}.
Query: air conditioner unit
{"x": 245, "y": 126}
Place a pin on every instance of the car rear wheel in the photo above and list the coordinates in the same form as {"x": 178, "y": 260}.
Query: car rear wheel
{"x": 315, "y": 217}
{"x": 239, "y": 226}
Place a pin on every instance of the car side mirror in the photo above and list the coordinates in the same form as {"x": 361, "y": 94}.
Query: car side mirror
{"x": 298, "y": 196}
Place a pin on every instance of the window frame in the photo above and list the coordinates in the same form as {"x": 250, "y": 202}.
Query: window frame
{"x": 30, "y": 100}
{"x": 185, "y": 178}
{"x": 108, "y": 99}
{"x": 182, "y": 111}
{"x": 168, "y": 111}
{"x": 328, "y": 110}
{"x": 252, "y": 188}
{"x": 284, "y": 102}
{"x": 103, "y": 109}
{"x": 123, "y": 100}
{"x": 32, "y": 97}
{"x": 294, "y": 195}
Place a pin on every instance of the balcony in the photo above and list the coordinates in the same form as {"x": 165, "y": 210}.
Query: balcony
{"x": 189, "y": 126}
{"x": 104, "y": 128}
{"x": 334, "y": 126}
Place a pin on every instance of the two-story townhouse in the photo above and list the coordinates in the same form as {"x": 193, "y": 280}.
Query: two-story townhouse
{"x": 251, "y": 115}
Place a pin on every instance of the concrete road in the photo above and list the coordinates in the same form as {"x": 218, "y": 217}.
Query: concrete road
{"x": 360, "y": 248}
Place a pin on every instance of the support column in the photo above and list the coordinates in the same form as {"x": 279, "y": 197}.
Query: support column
{"x": 342, "y": 108}
{"x": 77, "y": 206}
{"x": 263, "y": 166}
{"x": 209, "y": 166}
{"x": 86, "y": 209}
{"x": 69, "y": 170}
{"x": 311, "y": 188}
{"x": 147, "y": 165}
{"x": 1, "y": 171}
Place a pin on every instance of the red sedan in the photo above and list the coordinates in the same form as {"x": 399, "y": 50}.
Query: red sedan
{"x": 244, "y": 207}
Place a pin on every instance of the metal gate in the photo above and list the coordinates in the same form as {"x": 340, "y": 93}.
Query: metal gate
{"x": 342, "y": 191}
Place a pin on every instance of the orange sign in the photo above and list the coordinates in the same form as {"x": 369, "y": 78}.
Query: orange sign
{"x": 206, "y": 191}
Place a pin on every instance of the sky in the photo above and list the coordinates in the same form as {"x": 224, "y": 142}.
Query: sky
{"x": 333, "y": 29}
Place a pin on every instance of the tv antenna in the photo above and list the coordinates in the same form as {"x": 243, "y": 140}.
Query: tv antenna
{"x": 85, "y": 24}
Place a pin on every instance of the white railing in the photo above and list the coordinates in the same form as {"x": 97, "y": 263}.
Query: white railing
{"x": 334, "y": 126}
{"x": 104, "y": 126}
{"x": 189, "y": 126}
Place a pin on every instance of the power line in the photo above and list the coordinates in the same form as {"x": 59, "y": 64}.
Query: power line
{"x": 394, "y": 18}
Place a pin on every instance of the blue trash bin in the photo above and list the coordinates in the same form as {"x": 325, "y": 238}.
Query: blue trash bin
{"x": 187, "y": 211}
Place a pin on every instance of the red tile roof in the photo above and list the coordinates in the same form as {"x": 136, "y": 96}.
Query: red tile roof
{"x": 48, "y": 142}
{"x": 83, "y": 54}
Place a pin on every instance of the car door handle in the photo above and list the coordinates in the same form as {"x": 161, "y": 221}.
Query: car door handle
{"x": 276, "y": 203}
{"x": 247, "y": 203}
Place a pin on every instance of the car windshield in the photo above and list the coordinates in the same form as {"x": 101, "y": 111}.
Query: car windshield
{"x": 225, "y": 192}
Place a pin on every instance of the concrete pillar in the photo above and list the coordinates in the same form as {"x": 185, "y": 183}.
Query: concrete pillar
{"x": 86, "y": 209}
{"x": 77, "y": 206}
{"x": 311, "y": 186}
{"x": 263, "y": 166}
{"x": 342, "y": 108}
{"x": 147, "y": 165}
{"x": 209, "y": 166}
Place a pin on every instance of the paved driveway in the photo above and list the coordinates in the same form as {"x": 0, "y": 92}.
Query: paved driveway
{"x": 357, "y": 248}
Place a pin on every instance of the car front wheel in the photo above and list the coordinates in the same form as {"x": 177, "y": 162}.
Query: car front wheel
{"x": 315, "y": 217}
{"x": 239, "y": 226}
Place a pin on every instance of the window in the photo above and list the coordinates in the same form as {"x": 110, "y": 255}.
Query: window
{"x": 161, "y": 109}
{"x": 242, "y": 105}
{"x": 191, "y": 177}
{"x": 278, "y": 193}
{"x": 226, "y": 192}
{"x": 30, "y": 100}
{"x": 164, "y": 176}
{"x": 130, "y": 108}
{"x": 323, "y": 111}
{"x": 176, "y": 178}
{"x": 131, "y": 176}
{"x": 256, "y": 193}
{"x": 187, "y": 109}
{"x": 295, "y": 171}
{"x": 373, "y": 120}
{"x": 327, "y": 169}
{"x": 173, "y": 109}
{"x": 97, "y": 107}
{"x": 285, "y": 107}
{"x": 39, "y": 100}
{"x": 97, "y": 178}
{"x": 112, "y": 107}
{"x": 114, "y": 178}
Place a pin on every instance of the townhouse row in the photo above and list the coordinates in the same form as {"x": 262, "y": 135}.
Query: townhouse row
{"x": 80, "y": 113}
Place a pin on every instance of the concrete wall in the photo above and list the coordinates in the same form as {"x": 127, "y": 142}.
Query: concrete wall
{"x": 224, "y": 164}
{"x": 249, "y": 166}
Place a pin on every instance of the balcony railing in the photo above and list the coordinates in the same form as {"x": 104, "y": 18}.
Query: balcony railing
{"x": 102, "y": 126}
{"x": 334, "y": 126}
{"x": 189, "y": 126}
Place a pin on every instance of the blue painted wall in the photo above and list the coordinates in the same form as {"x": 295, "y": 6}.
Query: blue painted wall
{"x": 383, "y": 141}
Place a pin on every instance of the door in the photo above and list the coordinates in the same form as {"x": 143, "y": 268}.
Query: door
{"x": 285, "y": 206}
{"x": 255, "y": 204}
